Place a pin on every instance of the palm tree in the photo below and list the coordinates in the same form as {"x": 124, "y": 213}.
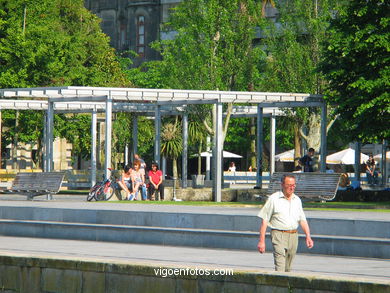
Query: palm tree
{"x": 197, "y": 135}
{"x": 172, "y": 142}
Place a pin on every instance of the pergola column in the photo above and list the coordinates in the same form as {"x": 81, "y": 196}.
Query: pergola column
{"x": 323, "y": 138}
{"x": 157, "y": 142}
{"x": 107, "y": 161}
{"x": 163, "y": 166}
{"x": 135, "y": 137}
{"x": 259, "y": 157}
{"x": 49, "y": 136}
{"x": 93, "y": 147}
{"x": 383, "y": 162}
{"x": 272, "y": 143}
{"x": 357, "y": 148}
{"x": 185, "y": 151}
{"x": 217, "y": 155}
{"x": 208, "y": 162}
{"x": 44, "y": 153}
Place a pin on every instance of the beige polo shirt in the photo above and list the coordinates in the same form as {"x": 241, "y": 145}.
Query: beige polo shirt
{"x": 281, "y": 213}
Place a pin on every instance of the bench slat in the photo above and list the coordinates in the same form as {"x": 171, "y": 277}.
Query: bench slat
{"x": 309, "y": 185}
{"x": 33, "y": 184}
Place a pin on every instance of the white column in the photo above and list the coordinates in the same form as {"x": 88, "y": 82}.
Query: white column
{"x": 49, "y": 137}
{"x": 259, "y": 157}
{"x": 323, "y": 138}
{"x": 126, "y": 154}
{"x": 44, "y": 153}
{"x": 357, "y": 148}
{"x": 185, "y": 152}
{"x": 157, "y": 142}
{"x": 383, "y": 162}
{"x": 93, "y": 147}
{"x": 107, "y": 163}
{"x": 135, "y": 137}
{"x": 217, "y": 155}
{"x": 273, "y": 142}
{"x": 208, "y": 161}
{"x": 163, "y": 166}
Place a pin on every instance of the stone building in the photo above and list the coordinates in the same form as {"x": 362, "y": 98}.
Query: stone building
{"x": 133, "y": 24}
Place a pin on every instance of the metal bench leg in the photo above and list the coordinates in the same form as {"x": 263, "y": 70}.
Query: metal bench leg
{"x": 49, "y": 196}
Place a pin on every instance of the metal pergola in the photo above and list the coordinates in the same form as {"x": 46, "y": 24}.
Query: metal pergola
{"x": 159, "y": 102}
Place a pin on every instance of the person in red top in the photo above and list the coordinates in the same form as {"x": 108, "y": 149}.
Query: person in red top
{"x": 156, "y": 181}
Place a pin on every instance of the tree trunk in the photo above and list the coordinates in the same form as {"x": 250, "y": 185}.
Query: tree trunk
{"x": 252, "y": 155}
{"x": 174, "y": 168}
{"x": 297, "y": 144}
{"x": 313, "y": 137}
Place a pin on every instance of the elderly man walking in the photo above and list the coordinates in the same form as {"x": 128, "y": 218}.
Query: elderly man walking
{"x": 283, "y": 212}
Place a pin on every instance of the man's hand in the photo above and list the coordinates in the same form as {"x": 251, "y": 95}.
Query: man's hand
{"x": 261, "y": 246}
{"x": 309, "y": 242}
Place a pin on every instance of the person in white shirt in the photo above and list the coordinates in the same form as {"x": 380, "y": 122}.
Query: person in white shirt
{"x": 283, "y": 212}
{"x": 232, "y": 167}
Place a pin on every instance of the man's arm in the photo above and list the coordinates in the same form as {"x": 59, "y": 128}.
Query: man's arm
{"x": 306, "y": 230}
{"x": 263, "y": 229}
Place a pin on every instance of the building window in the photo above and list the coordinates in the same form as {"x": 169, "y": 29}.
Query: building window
{"x": 141, "y": 35}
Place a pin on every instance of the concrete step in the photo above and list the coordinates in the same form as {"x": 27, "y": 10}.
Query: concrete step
{"x": 211, "y": 238}
{"x": 234, "y": 222}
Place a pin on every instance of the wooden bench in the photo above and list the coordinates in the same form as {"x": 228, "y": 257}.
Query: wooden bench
{"x": 243, "y": 177}
{"x": 34, "y": 184}
{"x": 310, "y": 186}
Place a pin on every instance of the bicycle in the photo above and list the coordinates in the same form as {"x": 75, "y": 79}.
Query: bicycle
{"x": 103, "y": 190}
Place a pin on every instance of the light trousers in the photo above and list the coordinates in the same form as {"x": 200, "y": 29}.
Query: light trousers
{"x": 285, "y": 247}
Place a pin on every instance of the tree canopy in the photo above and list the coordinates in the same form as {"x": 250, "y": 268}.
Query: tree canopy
{"x": 294, "y": 52}
{"x": 53, "y": 43}
{"x": 356, "y": 62}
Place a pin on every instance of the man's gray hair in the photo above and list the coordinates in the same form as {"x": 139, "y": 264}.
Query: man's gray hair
{"x": 288, "y": 176}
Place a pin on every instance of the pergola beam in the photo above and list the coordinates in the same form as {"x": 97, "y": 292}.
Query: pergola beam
{"x": 158, "y": 102}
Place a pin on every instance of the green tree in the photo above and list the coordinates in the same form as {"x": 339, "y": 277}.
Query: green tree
{"x": 172, "y": 142}
{"x": 212, "y": 50}
{"x": 75, "y": 129}
{"x": 294, "y": 54}
{"x": 356, "y": 62}
{"x": 197, "y": 137}
{"x": 52, "y": 43}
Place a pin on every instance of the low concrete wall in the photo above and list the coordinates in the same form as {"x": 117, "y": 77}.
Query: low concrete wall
{"x": 29, "y": 275}
{"x": 192, "y": 194}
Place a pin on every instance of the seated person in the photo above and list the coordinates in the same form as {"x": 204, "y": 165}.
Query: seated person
{"x": 328, "y": 170}
{"x": 232, "y": 167}
{"x": 344, "y": 180}
{"x": 138, "y": 181}
{"x": 156, "y": 182}
{"x": 307, "y": 161}
{"x": 298, "y": 169}
{"x": 125, "y": 180}
{"x": 355, "y": 185}
{"x": 372, "y": 174}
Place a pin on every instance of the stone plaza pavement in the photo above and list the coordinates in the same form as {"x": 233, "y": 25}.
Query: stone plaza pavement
{"x": 352, "y": 268}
